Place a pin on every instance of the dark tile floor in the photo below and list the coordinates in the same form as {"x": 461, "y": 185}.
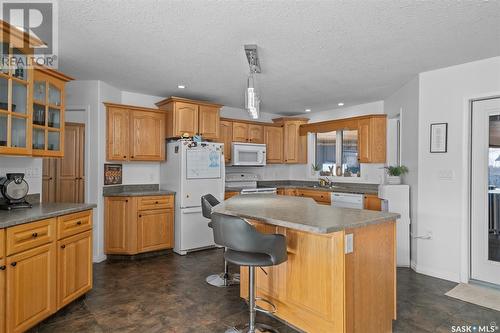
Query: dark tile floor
{"x": 168, "y": 294}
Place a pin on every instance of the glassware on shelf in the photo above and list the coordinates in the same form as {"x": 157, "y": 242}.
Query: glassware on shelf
{"x": 39, "y": 91}
{"x": 38, "y": 114}
{"x": 38, "y": 138}
{"x": 53, "y": 140}
{"x": 54, "y": 118}
{"x": 4, "y": 93}
{"x": 19, "y": 97}
{"x": 18, "y": 132}
{"x": 4, "y": 51}
{"x": 3, "y": 130}
{"x": 54, "y": 95}
{"x": 20, "y": 71}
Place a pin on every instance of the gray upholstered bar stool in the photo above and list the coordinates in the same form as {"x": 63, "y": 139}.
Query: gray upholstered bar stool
{"x": 225, "y": 279}
{"x": 248, "y": 247}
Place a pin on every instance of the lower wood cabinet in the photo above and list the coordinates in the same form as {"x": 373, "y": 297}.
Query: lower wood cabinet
{"x": 31, "y": 287}
{"x": 321, "y": 197}
{"x": 372, "y": 202}
{"x": 138, "y": 224}
{"x": 74, "y": 267}
{"x": 41, "y": 272}
{"x": 228, "y": 195}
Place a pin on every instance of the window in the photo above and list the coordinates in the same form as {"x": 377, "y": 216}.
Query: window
{"x": 338, "y": 148}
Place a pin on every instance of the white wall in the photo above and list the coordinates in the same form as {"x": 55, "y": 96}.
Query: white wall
{"x": 31, "y": 167}
{"x": 131, "y": 98}
{"x": 347, "y": 112}
{"x": 443, "y": 203}
{"x": 404, "y": 102}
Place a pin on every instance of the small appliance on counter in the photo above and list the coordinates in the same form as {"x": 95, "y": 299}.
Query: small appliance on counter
{"x": 14, "y": 190}
{"x": 247, "y": 182}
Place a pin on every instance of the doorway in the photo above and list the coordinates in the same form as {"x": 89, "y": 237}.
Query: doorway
{"x": 63, "y": 179}
{"x": 485, "y": 191}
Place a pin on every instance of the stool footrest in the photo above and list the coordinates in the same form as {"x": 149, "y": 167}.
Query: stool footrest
{"x": 258, "y": 308}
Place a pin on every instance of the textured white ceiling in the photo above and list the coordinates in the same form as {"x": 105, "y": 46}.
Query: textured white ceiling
{"x": 313, "y": 54}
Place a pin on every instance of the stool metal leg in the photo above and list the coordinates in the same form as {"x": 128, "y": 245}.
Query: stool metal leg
{"x": 252, "y": 326}
{"x": 224, "y": 279}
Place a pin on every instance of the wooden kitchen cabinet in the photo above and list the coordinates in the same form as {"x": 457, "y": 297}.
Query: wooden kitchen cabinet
{"x": 134, "y": 133}
{"x": 155, "y": 230}
{"x": 209, "y": 122}
{"x": 255, "y": 133}
{"x": 146, "y": 136}
{"x": 49, "y": 177}
{"x": 372, "y": 202}
{"x": 2, "y": 243}
{"x": 321, "y": 197}
{"x": 190, "y": 116}
{"x": 240, "y": 132}
{"x": 138, "y": 224}
{"x": 120, "y": 236}
{"x": 48, "y": 137}
{"x": 228, "y": 195}
{"x": 74, "y": 267}
{"x": 30, "y": 297}
{"x": 294, "y": 144}
{"x": 273, "y": 138}
{"x": 372, "y": 139}
{"x": 226, "y": 137}
{"x": 3, "y": 269}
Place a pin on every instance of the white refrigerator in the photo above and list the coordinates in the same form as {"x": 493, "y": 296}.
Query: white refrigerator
{"x": 396, "y": 199}
{"x": 192, "y": 170}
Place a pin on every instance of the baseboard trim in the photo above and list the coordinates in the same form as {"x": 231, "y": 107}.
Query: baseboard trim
{"x": 449, "y": 276}
{"x": 99, "y": 258}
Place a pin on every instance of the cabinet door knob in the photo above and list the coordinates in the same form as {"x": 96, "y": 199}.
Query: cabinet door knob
{"x": 126, "y": 200}
{"x": 2, "y": 268}
{"x": 79, "y": 223}
{"x": 131, "y": 156}
{"x": 63, "y": 246}
{"x": 124, "y": 156}
{"x": 13, "y": 264}
{"x": 156, "y": 202}
{"x": 35, "y": 235}
{"x": 140, "y": 215}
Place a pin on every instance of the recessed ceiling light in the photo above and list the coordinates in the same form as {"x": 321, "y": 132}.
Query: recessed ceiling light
{"x": 181, "y": 86}
{"x": 307, "y": 110}
{"x": 340, "y": 104}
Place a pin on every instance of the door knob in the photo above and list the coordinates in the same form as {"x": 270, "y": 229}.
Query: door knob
{"x": 2, "y": 268}
{"x": 13, "y": 264}
{"x": 63, "y": 246}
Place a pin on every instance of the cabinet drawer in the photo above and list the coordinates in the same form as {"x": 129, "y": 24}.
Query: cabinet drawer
{"x": 27, "y": 236}
{"x": 72, "y": 224}
{"x": 2, "y": 243}
{"x": 319, "y": 196}
{"x": 155, "y": 202}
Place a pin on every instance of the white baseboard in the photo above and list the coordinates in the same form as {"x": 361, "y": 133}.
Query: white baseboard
{"x": 435, "y": 273}
{"x": 99, "y": 258}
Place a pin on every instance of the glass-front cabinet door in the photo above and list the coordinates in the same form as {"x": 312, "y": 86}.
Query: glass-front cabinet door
{"x": 48, "y": 113}
{"x": 15, "y": 102}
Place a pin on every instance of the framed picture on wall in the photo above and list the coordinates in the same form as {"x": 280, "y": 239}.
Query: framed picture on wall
{"x": 439, "y": 138}
{"x": 112, "y": 174}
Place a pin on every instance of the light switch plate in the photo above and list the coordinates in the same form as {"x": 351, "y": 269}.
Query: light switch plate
{"x": 349, "y": 243}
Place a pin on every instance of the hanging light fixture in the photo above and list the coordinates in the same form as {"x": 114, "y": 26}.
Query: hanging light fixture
{"x": 252, "y": 97}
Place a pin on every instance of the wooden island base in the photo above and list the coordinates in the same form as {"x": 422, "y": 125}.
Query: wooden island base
{"x": 322, "y": 289}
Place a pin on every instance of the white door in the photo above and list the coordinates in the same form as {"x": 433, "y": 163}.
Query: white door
{"x": 485, "y": 191}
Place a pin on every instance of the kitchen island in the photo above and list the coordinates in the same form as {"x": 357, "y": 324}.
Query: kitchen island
{"x": 340, "y": 275}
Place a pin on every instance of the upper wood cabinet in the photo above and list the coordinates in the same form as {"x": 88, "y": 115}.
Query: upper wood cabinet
{"x": 248, "y": 132}
{"x": 48, "y": 112}
{"x": 372, "y": 134}
{"x": 294, "y": 144}
{"x": 191, "y": 117}
{"x": 134, "y": 133}
{"x": 240, "y": 132}
{"x": 226, "y": 137}
{"x": 273, "y": 138}
{"x": 372, "y": 139}
{"x": 147, "y": 134}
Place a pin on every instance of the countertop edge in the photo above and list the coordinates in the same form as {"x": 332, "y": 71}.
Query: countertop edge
{"x": 139, "y": 193}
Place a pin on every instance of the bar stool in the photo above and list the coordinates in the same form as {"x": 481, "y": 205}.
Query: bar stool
{"x": 248, "y": 247}
{"x": 225, "y": 279}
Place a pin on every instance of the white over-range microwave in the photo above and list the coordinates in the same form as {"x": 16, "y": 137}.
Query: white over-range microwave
{"x": 248, "y": 154}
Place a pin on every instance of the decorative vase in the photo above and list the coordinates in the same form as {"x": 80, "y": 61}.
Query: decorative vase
{"x": 394, "y": 180}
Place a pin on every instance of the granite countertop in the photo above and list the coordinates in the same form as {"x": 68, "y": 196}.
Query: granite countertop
{"x": 300, "y": 213}
{"x": 138, "y": 190}
{"x": 40, "y": 211}
{"x": 358, "y": 188}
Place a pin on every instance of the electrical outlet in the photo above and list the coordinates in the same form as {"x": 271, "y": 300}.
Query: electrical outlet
{"x": 349, "y": 243}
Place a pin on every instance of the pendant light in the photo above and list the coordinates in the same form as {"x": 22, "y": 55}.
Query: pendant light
{"x": 252, "y": 97}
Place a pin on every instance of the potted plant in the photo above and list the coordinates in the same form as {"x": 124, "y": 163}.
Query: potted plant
{"x": 316, "y": 168}
{"x": 394, "y": 174}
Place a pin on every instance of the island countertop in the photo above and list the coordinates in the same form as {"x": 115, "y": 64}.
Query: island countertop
{"x": 9, "y": 218}
{"x": 300, "y": 213}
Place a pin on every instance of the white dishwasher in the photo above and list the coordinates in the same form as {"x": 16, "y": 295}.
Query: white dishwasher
{"x": 347, "y": 200}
